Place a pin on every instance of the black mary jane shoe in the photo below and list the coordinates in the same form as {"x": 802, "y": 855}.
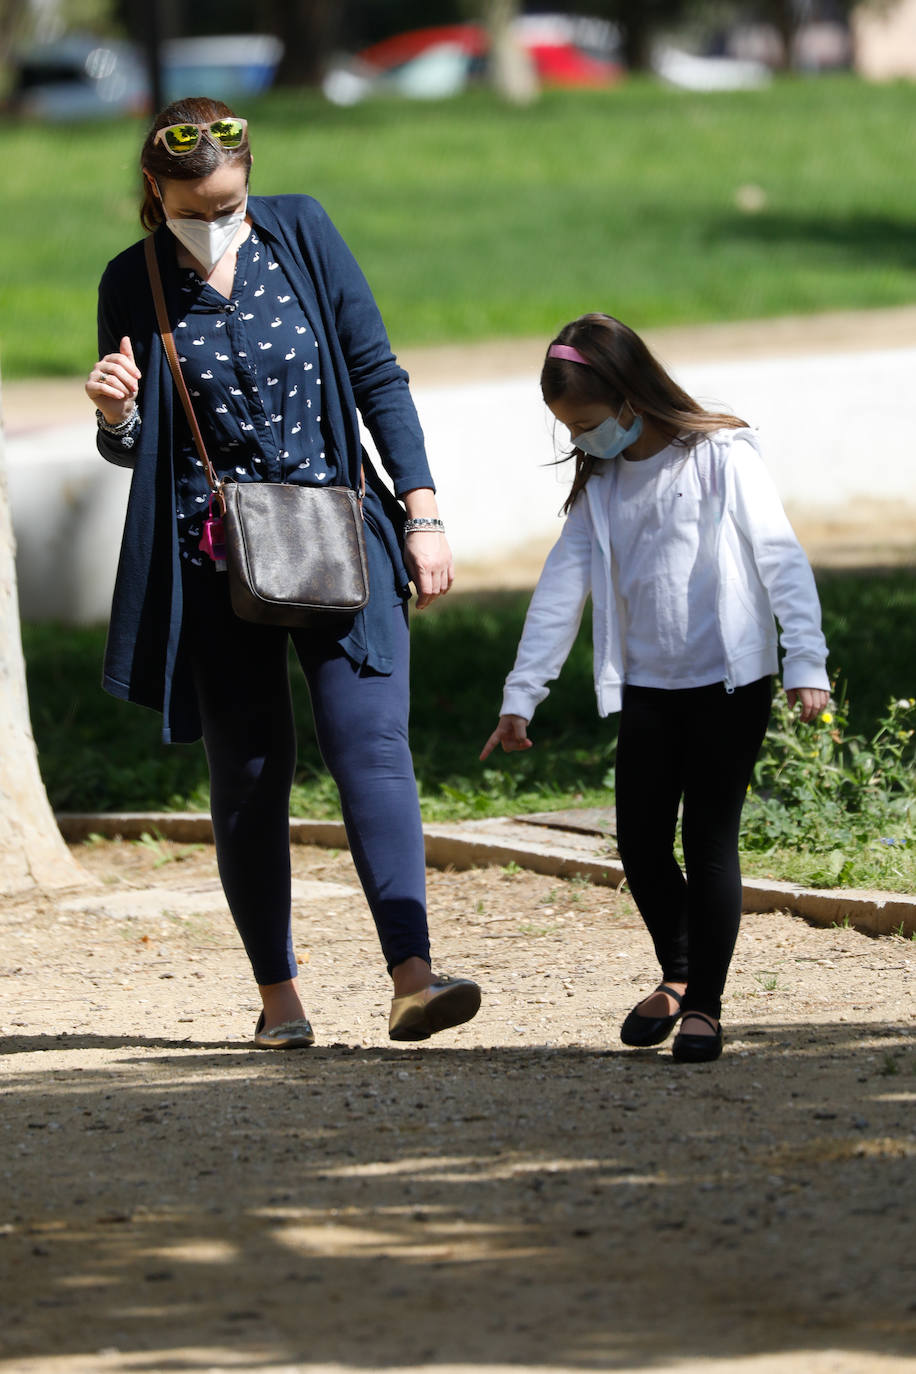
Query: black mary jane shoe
{"x": 698, "y": 1049}
{"x": 644, "y": 1031}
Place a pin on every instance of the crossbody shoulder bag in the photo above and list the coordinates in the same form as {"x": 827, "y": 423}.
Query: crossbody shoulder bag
{"x": 295, "y": 555}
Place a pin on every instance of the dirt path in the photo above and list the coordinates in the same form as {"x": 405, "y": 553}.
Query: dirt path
{"x": 520, "y": 1193}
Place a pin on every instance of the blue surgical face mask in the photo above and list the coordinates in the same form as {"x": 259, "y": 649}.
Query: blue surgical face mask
{"x": 609, "y": 438}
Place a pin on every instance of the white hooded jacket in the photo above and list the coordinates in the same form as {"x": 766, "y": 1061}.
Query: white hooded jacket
{"x": 762, "y": 572}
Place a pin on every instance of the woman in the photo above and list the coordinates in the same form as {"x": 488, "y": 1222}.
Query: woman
{"x": 280, "y": 343}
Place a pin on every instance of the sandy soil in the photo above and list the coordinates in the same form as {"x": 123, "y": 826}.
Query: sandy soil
{"x": 521, "y": 1192}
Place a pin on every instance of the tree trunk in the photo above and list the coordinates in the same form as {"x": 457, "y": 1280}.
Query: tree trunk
{"x": 33, "y": 855}
{"x": 638, "y": 29}
{"x": 512, "y": 71}
{"x": 12, "y": 26}
{"x": 785, "y": 20}
{"x": 308, "y": 30}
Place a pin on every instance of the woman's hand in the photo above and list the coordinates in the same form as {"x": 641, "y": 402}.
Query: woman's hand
{"x": 812, "y": 700}
{"x": 114, "y": 382}
{"x": 430, "y": 564}
{"x": 511, "y": 733}
{"x": 427, "y": 555}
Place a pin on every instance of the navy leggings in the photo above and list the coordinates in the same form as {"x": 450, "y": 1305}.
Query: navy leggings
{"x": 697, "y": 746}
{"x": 242, "y": 683}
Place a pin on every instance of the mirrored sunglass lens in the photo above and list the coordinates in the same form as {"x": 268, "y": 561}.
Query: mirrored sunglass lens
{"x": 228, "y": 132}
{"x": 182, "y": 138}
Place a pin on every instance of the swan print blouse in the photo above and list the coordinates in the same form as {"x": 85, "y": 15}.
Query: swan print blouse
{"x": 251, "y": 366}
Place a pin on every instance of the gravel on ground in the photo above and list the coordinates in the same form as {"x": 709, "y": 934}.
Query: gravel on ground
{"x": 519, "y": 1193}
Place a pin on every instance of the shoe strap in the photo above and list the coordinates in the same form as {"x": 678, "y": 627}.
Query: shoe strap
{"x": 710, "y": 1021}
{"x": 678, "y": 996}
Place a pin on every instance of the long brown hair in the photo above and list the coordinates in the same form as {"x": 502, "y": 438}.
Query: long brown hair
{"x": 621, "y": 369}
{"x": 206, "y": 157}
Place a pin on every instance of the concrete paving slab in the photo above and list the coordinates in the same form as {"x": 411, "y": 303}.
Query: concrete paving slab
{"x": 588, "y": 821}
{"x": 499, "y": 841}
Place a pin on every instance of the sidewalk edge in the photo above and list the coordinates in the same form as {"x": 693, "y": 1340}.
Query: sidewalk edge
{"x": 448, "y": 846}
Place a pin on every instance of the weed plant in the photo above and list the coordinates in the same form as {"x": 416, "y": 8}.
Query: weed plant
{"x": 836, "y": 807}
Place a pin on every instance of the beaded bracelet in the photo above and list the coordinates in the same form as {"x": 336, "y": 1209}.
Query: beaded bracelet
{"x": 423, "y": 524}
{"x": 122, "y": 426}
{"x": 123, "y": 430}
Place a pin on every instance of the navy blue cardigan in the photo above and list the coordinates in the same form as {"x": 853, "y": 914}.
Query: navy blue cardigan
{"x": 143, "y": 658}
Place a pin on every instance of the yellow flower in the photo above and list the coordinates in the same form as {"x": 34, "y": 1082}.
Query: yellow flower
{"x": 827, "y": 717}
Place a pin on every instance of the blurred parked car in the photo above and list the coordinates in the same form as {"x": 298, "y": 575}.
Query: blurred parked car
{"x": 229, "y": 66}
{"x": 80, "y": 77}
{"x": 817, "y": 47}
{"x": 695, "y": 73}
{"x": 434, "y": 63}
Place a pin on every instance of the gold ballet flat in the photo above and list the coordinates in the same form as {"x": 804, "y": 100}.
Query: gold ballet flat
{"x": 289, "y": 1035}
{"x": 446, "y": 1002}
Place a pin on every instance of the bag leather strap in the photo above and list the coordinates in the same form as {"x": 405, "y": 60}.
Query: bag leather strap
{"x": 171, "y": 353}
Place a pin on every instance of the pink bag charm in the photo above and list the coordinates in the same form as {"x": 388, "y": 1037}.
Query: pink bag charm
{"x": 213, "y": 539}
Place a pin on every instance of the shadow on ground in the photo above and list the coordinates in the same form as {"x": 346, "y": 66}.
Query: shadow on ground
{"x": 530, "y": 1206}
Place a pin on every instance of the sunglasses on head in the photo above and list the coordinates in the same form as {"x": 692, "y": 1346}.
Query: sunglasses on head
{"x": 181, "y": 139}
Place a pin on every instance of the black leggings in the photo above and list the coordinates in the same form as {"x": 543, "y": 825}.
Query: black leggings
{"x": 697, "y": 745}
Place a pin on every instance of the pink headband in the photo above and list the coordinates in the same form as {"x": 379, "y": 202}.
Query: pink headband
{"x": 568, "y": 352}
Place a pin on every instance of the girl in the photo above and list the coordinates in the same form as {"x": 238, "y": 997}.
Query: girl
{"x": 281, "y": 345}
{"x": 676, "y": 530}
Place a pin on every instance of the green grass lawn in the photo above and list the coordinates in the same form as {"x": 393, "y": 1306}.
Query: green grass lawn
{"x": 473, "y": 219}
{"x": 100, "y": 754}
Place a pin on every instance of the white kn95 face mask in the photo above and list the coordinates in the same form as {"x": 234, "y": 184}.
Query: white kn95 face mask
{"x": 208, "y": 240}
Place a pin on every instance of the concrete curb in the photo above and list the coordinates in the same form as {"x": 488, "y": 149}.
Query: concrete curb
{"x": 480, "y": 844}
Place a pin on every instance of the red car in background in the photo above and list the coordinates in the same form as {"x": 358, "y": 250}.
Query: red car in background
{"x": 440, "y": 61}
